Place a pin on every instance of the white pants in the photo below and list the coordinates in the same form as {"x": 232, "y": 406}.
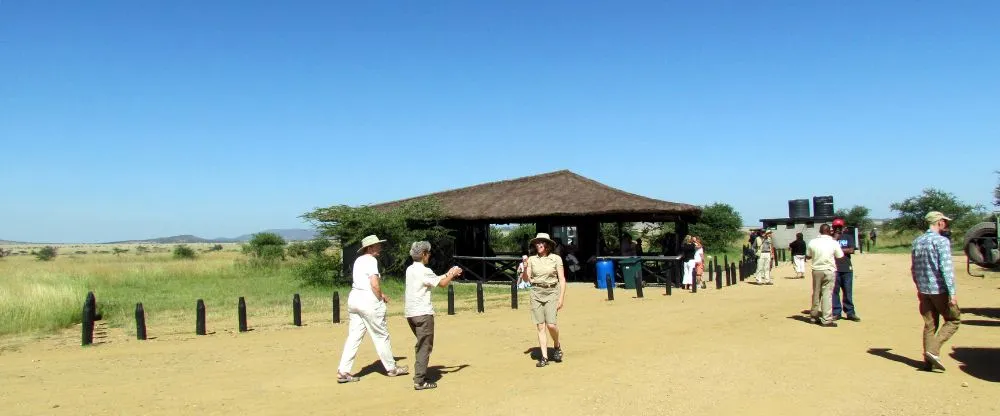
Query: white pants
{"x": 763, "y": 274}
{"x": 688, "y": 272}
{"x": 367, "y": 318}
{"x": 800, "y": 263}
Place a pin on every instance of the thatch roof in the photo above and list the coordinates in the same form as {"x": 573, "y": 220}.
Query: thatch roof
{"x": 556, "y": 194}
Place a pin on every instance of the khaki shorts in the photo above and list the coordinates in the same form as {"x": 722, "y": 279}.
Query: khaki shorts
{"x": 543, "y": 304}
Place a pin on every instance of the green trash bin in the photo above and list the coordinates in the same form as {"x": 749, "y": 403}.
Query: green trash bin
{"x": 631, "y": 268}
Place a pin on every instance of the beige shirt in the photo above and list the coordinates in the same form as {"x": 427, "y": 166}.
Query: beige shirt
{"x": 419, "y": 281}
{"x": 545, "y": 270}
{"x": 823, "y": 250}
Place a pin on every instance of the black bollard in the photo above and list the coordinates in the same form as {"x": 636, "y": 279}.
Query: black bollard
{"x": 140, "y": 322}
{"x": 611, "y": 286}
{"x": 296, "y": 310}
{"x": 199, "y": 326}
{"x": 729, "y": 278}
{"x": 88, "y": 319}
{"x": 451, "y": 300}
{"x": 638, "y": 285}
{"x": 733, "y": 266}
{"x": 336, "y": 307}
{"x": 241, "y": 314}
{"x": 718, "y": 276}
{"x": 513, "y": 294}
{"x": 480, "y": 305}
{"x": 711, "y": 270}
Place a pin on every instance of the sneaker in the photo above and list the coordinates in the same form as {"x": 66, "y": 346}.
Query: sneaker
{"x": 398, "y": 371}
{"x": 557, "y": 355}
{"x": 542, "y": 363}
{"x": 934, "y": 360}
{"x": 830, "y": 324}
{"x": 424, "y": 386}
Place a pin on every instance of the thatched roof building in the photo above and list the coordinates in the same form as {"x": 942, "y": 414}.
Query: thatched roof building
{"x": 555, "y": 194}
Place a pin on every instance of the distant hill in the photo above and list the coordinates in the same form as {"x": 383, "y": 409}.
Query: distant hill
{"x": 293, "y": 234}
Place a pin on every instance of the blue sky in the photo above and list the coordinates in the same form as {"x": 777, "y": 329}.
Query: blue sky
{"x": 126, "y": 119}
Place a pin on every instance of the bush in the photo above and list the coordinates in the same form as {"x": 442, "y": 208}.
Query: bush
{"x": 265, "y": 250}
{"x": 320, "y": 269}
{"x": 718, "y": 227}
{"x": 184, "y": 252}
{"x": 119, "y": 251}
{"x": 46, "y": 253}
{"x": 217, "y": 247}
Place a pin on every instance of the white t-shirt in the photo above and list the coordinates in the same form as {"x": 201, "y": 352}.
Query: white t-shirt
{"x": 823, "y": 250}
{"x": 419, "y": 282}
{"x": 699, "y": 255}
{"x": 361, "y": 286}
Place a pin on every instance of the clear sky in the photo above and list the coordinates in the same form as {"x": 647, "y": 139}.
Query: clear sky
{"x": 138, "y": 119}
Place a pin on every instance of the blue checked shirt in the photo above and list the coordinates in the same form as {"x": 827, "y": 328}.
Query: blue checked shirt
{"x": 931, "y": 266}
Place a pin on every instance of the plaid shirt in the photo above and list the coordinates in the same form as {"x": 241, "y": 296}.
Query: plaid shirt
{"x": 931, "y": 264}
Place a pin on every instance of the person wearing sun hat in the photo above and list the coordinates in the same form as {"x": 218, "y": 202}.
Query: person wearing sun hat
{"x": 367, "y": 311}
{"x": 934, "y": 276}
{"x": 544, "y": 271}
{"x": 764, "y": 249}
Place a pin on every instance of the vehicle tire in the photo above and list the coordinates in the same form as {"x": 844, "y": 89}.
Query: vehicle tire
{"x": 973, "y": 248}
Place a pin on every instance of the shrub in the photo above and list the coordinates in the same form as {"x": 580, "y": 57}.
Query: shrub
{"x": 320, "y": 269}
{"x": 46, "y": 253}
{"x": 217, "y": 247}
{"x": 119, "y": 251}
{"x": 265, "y": 249}
{"x": 184, "y": 252}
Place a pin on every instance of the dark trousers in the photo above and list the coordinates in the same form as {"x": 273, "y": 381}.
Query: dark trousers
{"x": 423, "y": 329}
{"x": 845, "y": 284}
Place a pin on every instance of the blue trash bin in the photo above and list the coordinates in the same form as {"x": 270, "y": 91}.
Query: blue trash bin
{"x": 604, "y": 268}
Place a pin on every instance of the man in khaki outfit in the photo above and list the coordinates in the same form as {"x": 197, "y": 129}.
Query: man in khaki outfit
{"x": 765, "y": 248}
{"x": 823, "y": 250}
{"x": 934, "y": 276}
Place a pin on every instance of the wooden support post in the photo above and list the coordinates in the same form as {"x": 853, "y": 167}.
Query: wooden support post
{"x": 241, "y": 314}
{"x": 513, "y": 294}
{"x": 140, "y": 322}
{"x": 451, "y": 299}
{"x": 199, "y": 326}
{"x": 480, "y": 302}
{"x": 733, "y": 266}
{"x": 718, "y": 276}
{"x": 336, "y": 307}
{"x": 638, "y": 285}
{"x": 296, "y": 310}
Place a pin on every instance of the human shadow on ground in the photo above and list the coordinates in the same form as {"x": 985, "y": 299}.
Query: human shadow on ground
{"x": 980, "y": 322}
{"x": 535, "y": 353}
{"x": 801, "y": 318}
{"x": 891, "y": 356}
{"x": 435, "y": 372}
{"x": 979, "y": 362}
{"x": 375, "y": 367}
{"x": 984, "y": 312}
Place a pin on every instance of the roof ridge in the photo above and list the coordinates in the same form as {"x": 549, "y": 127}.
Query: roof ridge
{"x": 482, "y": 185}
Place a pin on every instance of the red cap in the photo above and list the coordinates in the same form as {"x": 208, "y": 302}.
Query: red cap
{"x": 838, "y": 222}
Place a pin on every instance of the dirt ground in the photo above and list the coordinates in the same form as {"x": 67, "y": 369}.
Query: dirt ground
{"x": 743, "y": 349}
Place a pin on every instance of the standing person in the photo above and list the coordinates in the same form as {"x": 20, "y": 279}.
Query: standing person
{"x": 548, "y": 290}
{"x": 638, "y": 247}
{"x": 626, "y": 246}
{"x": 366, "y": 306}
{"x": 873, "y": 235}
{"x": 765, "y": 248}
{"x": 844, "y": 285}
{"x": 419, "y": 311}
{"x": 688, "y": 251}
{"x": 699, "y": 262}
{"x": 798, "y": 249}
{"x": 823, "y": 250}
{"x": 934, "y": 276}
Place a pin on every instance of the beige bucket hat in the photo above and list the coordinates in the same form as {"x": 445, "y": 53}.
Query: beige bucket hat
{"x": 542, "y": 237}
{"x": 369, "y": 241}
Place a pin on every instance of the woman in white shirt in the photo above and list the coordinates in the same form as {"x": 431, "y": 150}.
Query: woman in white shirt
{"x": 419, "y": 311}
{"x": 366, "y": 307}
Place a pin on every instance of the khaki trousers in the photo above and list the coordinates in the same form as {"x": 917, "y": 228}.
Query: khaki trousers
{"x": 763, "y": 274}
{"x": 423, "y": 329}
{"x": 932, "y": 309}
{"x": 822, "y": 299}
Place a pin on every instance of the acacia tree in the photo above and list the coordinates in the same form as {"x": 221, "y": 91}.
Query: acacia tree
{"x": 913, "y": 209}
{"x": 857, "y": 216}
{"x": 401, "y": 225}
{"x": 718, "y": 227}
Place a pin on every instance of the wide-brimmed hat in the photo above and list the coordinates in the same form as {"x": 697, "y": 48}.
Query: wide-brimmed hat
{"x": 542, "y": 237}
{"x": 768, "y": 231}
{"x": 369, "y": 241}
{"x": 935, "y": 216}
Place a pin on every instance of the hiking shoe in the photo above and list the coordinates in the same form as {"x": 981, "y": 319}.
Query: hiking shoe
{"x": 557, "y": 355}
{"x": 854, "y": 318}
{"x": 830, "y": 324}
{"x": 542, "y": 363}
{"x": 934, "y": 360}
{"x": 424, "y": 386}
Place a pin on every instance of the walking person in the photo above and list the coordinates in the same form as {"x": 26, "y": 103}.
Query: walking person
{"x": 688, "y": 251}
{"x": 548, "y": 290}
{"x": 419, "y": 311}
{"x": 934, "y": 276}
{"x": 699, "y": 262}
{"x": 843, "y": 287}
{"x": 367, "y": 311}
{"x": 798, "y": 249}
{"x": 823, "y": 251}
{"x": 873, "y": 235}
{"x": 765, "y": 251}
